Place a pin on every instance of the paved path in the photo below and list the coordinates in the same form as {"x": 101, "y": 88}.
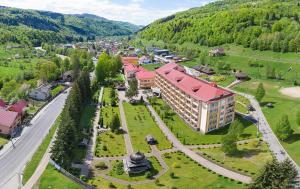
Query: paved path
{"x": 85, "y": 168}
{"x": 268, "y": 134}
{"x": 193, "y": 155}
{"x": 127, "y": 139}
{"x": 13, "y": 161}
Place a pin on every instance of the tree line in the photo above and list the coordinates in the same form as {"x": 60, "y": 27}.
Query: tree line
{"x": 68, "y": 131}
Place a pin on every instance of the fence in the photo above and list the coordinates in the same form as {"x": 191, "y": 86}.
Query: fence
{"x": 70, "y": 176}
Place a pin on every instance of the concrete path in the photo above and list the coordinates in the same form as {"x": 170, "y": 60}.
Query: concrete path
{"x": 85, "y": 168}
{"x": 193, "y": 155}
{"x": 127, "y": 139}
{"x": 268, "y": 135}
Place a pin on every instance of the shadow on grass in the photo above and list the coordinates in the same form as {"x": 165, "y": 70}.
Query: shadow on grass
{"x": 294, "y": 138}
{"x": 264, "y": 104}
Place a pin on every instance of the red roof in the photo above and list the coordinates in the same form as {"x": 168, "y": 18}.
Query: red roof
{"x": 19, "y": 106}
{"x": 7, "y": 118}
{"x": 145, "y": 75}
{"x": 130, "y": 67}
{"x": 198, "y": 89}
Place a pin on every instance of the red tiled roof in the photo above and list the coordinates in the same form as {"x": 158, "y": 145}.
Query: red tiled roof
{"x": 145, "y": 75}
{"x": 130, "y": 67}
{"x": 19, "y": 106}
{"x": 7, "y": 118}
{"x": 198, "y": 89}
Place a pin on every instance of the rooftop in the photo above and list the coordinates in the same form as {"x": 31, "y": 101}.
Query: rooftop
{"x": 145, "y": 75}
{"x": 7, "y": 118}
{"x": 198, "y": 89}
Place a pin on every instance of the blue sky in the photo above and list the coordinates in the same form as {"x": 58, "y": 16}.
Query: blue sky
{"x": 140, "y": 12}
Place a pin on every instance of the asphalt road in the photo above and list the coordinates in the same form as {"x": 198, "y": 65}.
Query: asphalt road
{"x": 12, "y": 162}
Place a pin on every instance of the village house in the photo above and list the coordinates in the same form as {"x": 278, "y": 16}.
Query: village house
{"x": 11, "y": 116}
{"x": 130, "y": 60}
{"x": 41, "y": 93}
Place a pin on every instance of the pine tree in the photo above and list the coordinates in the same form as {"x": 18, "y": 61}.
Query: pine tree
{"x": 229, "y": 145}
{"x": 260, "y": 92}
{"x": 237, "y": 128}
{"x": 276, "y": 175}
{"x": 283, "y": 128}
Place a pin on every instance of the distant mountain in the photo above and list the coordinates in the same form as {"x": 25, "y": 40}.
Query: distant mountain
{"x": 34, "y": 27}
{"x": 259, "y": 24}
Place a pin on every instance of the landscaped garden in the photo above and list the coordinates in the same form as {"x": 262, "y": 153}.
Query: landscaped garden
{"x": 57, "y": 90}
{"x": 118, "y": 171}
{"x": 51, "y": 178}
{"x": 109, "y": 143}
{"x": 189, "y": 137}
{"x": 249, "y": 159}
{"x": 182, "y": 173}
{"x": 140, "y": 124}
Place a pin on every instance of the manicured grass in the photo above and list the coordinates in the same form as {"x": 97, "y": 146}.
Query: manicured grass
{"x": 3, "y": 140}
{"x": 188, "y": 136}
{"x": 38, "y": 155}
{"x": 110, "y": 144}
{"x": 136, "y": 177}
{"x": 250, "y": 158}
{"x": 108, "y": 111}
{"x": 241, "y": 108}
{"x": 152, "y": 67}
{"x": 282, "y": 105}
{"x": 140, "y": 124}
{"x": 187, "y": 174}
{"x": 57, "y": 90}
{"x": 53, "y": 179}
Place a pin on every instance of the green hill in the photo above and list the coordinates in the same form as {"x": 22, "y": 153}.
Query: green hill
{"x": 33, "y": 27}
{"x": 259, "y": 24}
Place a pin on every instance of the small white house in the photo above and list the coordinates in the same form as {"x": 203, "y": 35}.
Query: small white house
{"x": 42, "y": 93}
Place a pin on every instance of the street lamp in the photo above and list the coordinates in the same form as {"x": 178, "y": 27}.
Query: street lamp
{"x": 257, "y": 133}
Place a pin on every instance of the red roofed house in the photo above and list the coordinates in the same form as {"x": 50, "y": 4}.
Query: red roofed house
{"x": 2, "y": 104}
{"x": 145, "y": 78}
{"x": 202, "y": 105}
{"x": 19, "y": 107}
{"x": 8, "y": 121}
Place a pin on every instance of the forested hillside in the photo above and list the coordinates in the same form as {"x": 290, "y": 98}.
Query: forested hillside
{"x": 31, "y": 27}
{"x": 259, "y": 24}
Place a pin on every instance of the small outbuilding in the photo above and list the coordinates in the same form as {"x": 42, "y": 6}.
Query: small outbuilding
{"x": 150, "y": 140}
{"x": 241, "y": 76}
{"x": 136, "y": 163}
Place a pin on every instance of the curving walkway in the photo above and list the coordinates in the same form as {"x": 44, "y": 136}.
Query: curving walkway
{"x": 193, "y": 155}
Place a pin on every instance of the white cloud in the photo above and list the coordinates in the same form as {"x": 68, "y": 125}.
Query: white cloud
{"x": 131, "y": 12}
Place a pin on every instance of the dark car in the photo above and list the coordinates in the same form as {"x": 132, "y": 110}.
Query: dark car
{"x": 251, "y": 108}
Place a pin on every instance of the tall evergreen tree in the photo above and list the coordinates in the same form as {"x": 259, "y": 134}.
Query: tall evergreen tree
{"x": 229, "y": 145}
{"x": 260, "y": 92}
{"x": 283, "y": 128}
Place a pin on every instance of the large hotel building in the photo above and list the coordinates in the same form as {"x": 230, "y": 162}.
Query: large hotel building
{"x": 202, "y": 105}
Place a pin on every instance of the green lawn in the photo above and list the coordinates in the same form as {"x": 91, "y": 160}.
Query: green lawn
{"x": 38, "y": 155}
{"x": 282, "y": 105}
{"x": 188, "y": 136}
{"x": 187, "y": 174}
{"x": 3, "y": 141}
{"x": 140, "y": 124}
{"x": 108, "y": 111}
{"x": 53, "y": 179}
{"x": 151, "y": 67}
{"x": 57, "y": 90}
{"x": 250, "y": 159}
{"x": 136, "y": 177}
{"x": 110, "y": 144}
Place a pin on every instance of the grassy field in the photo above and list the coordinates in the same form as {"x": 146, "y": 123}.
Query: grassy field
{"x": 188, "y": 136}
{"x": 53, "y": 179}
{"x": 152, "y": 67}
{"x": 3, "y": 141}
{"x": 108, "y": 111}
{"x": 187, "y": 174}
{"x": 110, "y": 144}
{"x": 140, "y": 124}
{"x": 38, "y": 155}
{"x": 282, "y": 105}
{"x": 136, "y": 177}
{"x": 57, "y": 90}
{"x": 249, "y": 160}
